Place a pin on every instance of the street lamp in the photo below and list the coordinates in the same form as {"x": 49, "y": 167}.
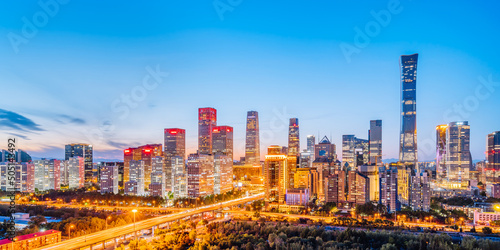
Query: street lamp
{"x": 496, "y": 207}
{"x": 135, "y": 232}
{"x": 69, "y": 234}
{"x": 107, "y": 218}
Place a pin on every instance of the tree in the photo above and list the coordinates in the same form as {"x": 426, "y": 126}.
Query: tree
{"x": 487, "y": 230}
{"x": 37, "y": 221}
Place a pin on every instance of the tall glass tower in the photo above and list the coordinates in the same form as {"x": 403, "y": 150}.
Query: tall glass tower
{"x": 207, "y": 119}
{"x": 252, "y": 144}
{"x": 293, "y": 137}
{"x": 408, "y": 136}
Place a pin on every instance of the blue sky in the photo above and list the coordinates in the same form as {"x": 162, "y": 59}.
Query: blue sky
{"x": 281, "y": 58}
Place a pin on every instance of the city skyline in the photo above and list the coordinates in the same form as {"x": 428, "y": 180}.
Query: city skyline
{"x": 57, "y": 104}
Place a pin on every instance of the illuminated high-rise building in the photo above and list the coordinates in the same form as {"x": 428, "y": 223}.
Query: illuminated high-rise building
{"x": 76, "y": 172}
{"x": 174, "y": 145}
{"x": 306, "y": 159}
{"x": 158, "y": 179}
{"x": 109, "y": 179}
{"x": 86, "y": 152}
{"x": 200, "y": 170}
{"x": 302, "y": 178}
{"x": 135, "y": 185}
{"x": 47, "y": 174}
{"x": 355, "y": 151}
{"x": 420, "y": 198}
{"x": 207, "y": 119}
{"x": 252, "y": 144}
{"x": 404, "y": 182}
{"x": 389, "y": 188}
{"x": 222, "y": 141}
{"x": 275, "y": 175}
{"x": 408, "y": 153}
{"x": 371, "y": 171}
{"x": 143, "y": 153}
{"x": 458, "y": 157}
{"x": 441, "y": 151}
{"x": 179, "y": 177}
{"x": 223, "y": 174}
{"x": 493, "y": 155}
{"x": 335, "y": 187}
{"x": 293, "y": 137}
{"x": 24, "y": 173}
{"x": 359, "y": 188}
{"x": 311, "y": 142}
{"x": 325, "y": 150}
{"x": 375, "y": 141}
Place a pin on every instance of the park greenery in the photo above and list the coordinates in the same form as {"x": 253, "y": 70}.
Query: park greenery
{"x": 271, "y": 235}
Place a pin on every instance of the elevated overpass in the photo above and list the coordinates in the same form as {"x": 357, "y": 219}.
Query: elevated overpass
{"x": 100, "y": 238}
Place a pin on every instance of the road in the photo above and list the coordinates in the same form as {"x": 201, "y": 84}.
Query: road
{"x": 58, "y": 205}
{"x": 99, "y": 237}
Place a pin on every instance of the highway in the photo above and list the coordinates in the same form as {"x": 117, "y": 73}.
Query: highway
{"x": 111, "y": 208}
{"x": 99, "y": 237}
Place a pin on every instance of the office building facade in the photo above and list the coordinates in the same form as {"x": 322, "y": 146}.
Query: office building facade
{"x": 207, "y": 120}
{"x": 252, "y": 143}
{"x": 85, "y": 151}
{"x": 408, "y": 153}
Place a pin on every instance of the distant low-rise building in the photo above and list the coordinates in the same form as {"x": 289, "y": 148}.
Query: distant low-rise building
{"x": 485, "y": 217}
{"x": 31, "y": 241}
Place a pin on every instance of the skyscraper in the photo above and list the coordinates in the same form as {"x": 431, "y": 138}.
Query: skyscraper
{"x": 47, "y": 174}
{"x": 375, "y": 141}
{"x": 371, "y": 171}
{"x": 389, "y": 188}
{"x": 493, "y": 152}
{"x": 441, "y": 151}
{"x": 207, "y": 119}
{"x": 325, "y": 150}
{"x": 109, "y": 179}
{"x": 174, "y": 146}
{"x": 354, "y": 148}
{"x": 293, "y": 137}
{"x": 275, "y": 175}
{"x": 179, "y": 177}
{"x": 86, "y": 152}
{"x": 157, "y": 186}
{"x": 76, "y": 172}
{"x": 135, "y": 185}
{"x": 420, "y": 192}
{"x": 359, "y": 188}
{"x": 223, "y": 174}
{"x": 144, "y": 153}
{"x": 458, "y": 157}
{"x": 408, "y": 137}
{"x": 222, "y": 141}
{"x": 200, "y": 170}
{"x": 311, "y": 142}
{"x": 252, "y": 144}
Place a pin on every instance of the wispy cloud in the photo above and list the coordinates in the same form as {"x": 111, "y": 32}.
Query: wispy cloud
{"x": 12, "y": 120}
{"x": 20, "y": 136}
{"x": 120, "y": 145}
{"x": 69, "y": 119}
